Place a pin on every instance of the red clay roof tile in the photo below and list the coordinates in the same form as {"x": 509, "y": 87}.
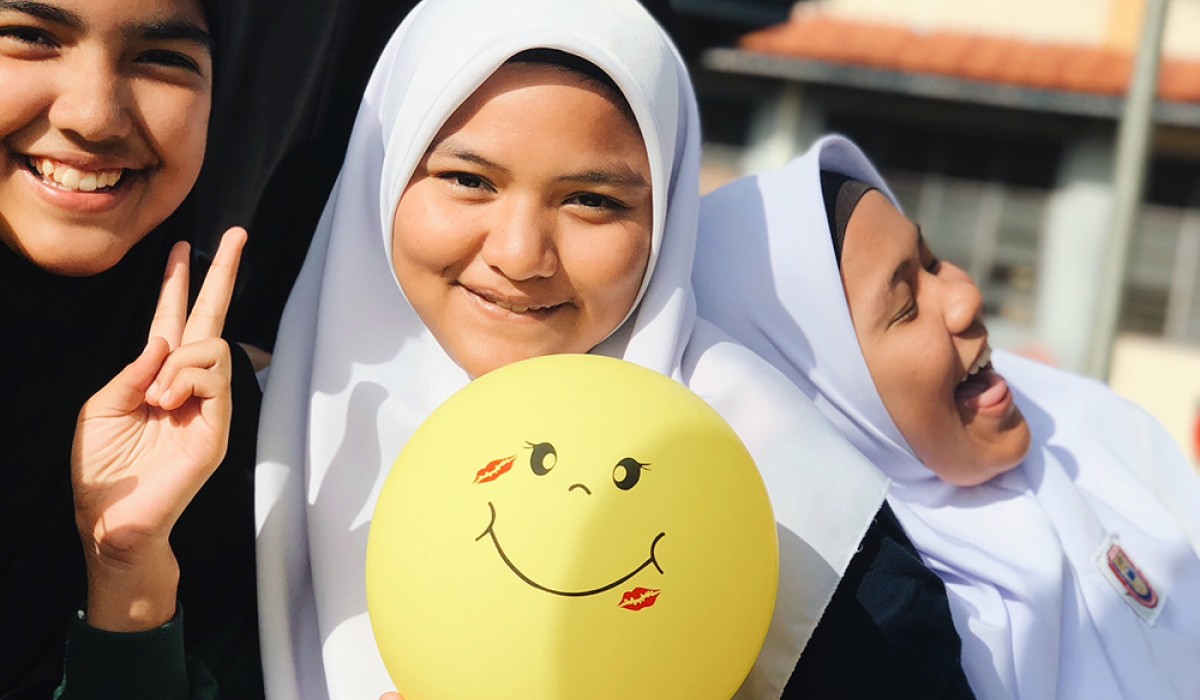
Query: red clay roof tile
{"x": 1070, "y": 68}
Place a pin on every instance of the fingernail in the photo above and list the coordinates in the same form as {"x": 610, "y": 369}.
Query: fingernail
{"x": 152, "y": 390}
{"x": 165, "y": 399}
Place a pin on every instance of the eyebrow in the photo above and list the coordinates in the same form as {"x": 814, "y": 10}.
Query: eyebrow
{"x": 43, "y": 11}
{"x": 169, "y": 29}
{"x": 617, "y": 175}
{"x": 462, "y": 154}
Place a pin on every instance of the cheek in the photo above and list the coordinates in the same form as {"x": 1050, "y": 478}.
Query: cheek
{"x": 609, "y": 268}
{"x": 911, "y": 379}
{"x": 426, "y": 237}
{"x": 176, "y": 123}
{"x": 23, "y": 98}
{"x": 909, "y": 395}
{"x": 180, "y": 139}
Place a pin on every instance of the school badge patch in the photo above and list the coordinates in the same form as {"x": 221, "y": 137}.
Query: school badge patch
{"x": 1129, "y": 581}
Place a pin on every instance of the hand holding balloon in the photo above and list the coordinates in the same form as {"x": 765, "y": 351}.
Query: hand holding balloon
{"x": 146, "y": 442}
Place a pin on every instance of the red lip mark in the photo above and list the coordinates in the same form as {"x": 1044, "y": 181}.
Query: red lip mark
{"x": 639, "y": 598}
{"x": 494, "y": 470}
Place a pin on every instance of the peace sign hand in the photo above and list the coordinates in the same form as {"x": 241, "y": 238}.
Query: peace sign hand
{"x": 147, "y": 442}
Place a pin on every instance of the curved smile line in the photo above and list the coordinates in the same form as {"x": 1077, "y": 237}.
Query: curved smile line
{"x": 573, "y": 594}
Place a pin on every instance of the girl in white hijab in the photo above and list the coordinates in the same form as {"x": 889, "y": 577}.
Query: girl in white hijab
{"x": 490, "y": 210}
{"x": 1063, "y": 521}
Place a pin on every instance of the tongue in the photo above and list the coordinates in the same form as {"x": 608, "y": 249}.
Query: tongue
{"x": 982, "y": 389}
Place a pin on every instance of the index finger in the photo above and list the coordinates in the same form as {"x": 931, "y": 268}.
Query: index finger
{"x": 171, "y": 311}
{"x": 208, "y": 315}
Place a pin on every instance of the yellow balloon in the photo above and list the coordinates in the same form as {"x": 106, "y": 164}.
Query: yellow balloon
{"x": 572, "y": 527}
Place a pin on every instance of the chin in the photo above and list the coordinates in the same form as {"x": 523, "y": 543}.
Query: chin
{"x": 995, "y": 458}
{"x": 73, "y": 253}
{"x": 78, "y": 264}
{"x": 981, "y": 475}
{"x": 476, "y": 367}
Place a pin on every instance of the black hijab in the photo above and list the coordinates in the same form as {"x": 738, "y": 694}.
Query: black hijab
{"x": 841, "y": 195}
{"x": 63, "y": 338}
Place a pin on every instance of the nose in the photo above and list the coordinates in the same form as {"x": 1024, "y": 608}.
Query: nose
{"x": 520, "y": 240}
{"x": 963, "y": 307}
{"x": 93, "y": 100}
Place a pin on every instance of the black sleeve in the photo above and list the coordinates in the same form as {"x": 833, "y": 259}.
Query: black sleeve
{"x": 887, "y": 632}
{"x": 104, "y": 665}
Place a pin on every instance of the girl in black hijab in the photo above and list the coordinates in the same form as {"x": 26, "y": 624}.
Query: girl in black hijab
{"x": 102, "y": 131}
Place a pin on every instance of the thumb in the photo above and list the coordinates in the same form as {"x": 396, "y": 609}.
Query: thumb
{"x": 127, "y": 390}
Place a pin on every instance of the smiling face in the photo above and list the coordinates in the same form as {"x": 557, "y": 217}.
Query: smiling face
{"x": 918, "y": 321}
{"x": 103, "y": 117}
{"x": 572, "y": 526}
{"x": 525, "y": 230}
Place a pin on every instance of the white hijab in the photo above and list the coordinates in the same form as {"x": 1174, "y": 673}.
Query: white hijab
{"x": 356, "y": 371}
{"x": 1038, "y": 616}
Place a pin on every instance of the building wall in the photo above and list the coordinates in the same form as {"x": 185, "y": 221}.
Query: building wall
{"x": 1163, "y": 378}
{"x": 1183, "y": 25}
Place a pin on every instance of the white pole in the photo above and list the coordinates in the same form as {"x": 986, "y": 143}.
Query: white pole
{"x": 1129, "y": 177}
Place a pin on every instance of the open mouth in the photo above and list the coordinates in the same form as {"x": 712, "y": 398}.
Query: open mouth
{"x": 978, "y": 368}
{"x": 982, "y": 387}
{"x": 71, "y": 179}
{"x": 491, "y": 530}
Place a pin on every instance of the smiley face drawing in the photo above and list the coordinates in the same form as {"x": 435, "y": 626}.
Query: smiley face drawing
{"x": 626, "y": 475}
{"x": 577, "y": 527}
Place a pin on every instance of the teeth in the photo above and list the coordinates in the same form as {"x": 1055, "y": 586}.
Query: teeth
{"x": 984, "y": 359}
{"x": 509, "y": 307}
{"x": 68, "y": 178}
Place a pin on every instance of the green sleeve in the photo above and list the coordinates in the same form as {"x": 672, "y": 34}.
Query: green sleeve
{"x": 150, "y": 664}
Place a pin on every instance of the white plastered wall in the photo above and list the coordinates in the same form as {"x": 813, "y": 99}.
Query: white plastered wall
{"x": 1183, "y": 26}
